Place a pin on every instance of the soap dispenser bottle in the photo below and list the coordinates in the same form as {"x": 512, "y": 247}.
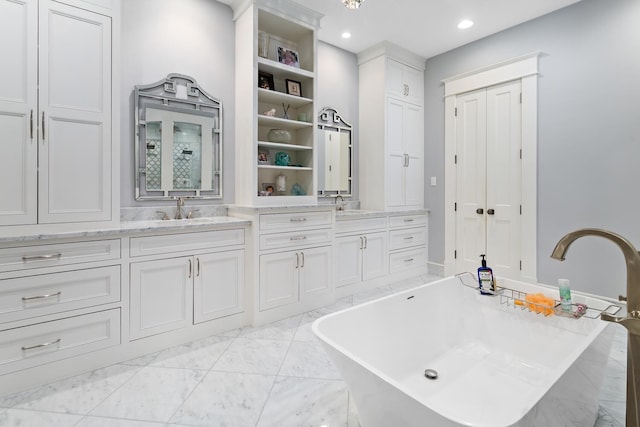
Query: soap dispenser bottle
{"x": 486, "y": 283}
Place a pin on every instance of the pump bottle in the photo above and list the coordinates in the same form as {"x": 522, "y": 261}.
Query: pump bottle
{"x": 486, "y": 283}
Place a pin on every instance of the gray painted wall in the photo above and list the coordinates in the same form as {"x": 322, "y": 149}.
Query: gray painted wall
{"x": 197, "y": 38}
{"x": 588, "y": 134}
{"x": 192, "y": 37}
{"x": 338, "y": 88}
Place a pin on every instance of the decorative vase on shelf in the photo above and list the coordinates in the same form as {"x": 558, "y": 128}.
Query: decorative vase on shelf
{"x": 282, "y": 159}
{"x": 281, "y": 183}
{"x": 279, "y": 135}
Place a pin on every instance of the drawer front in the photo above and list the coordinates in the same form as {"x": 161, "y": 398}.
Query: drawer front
{"x": 27, "y": 257}
{"x": 31, "y": 296}
{"x": 295, "y": 220}
{"x": 295, "y": 239}
{"x": 169, "y": 243}
{"x": 33, "y": 345}
{"x": 407, "y": 238}
{"x": 407, "y": 221}
{"x": 400, "y": 261}
{"x": 360, "y": 225}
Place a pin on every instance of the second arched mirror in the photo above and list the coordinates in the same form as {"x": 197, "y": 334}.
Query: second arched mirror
{"x": 334, "y": 154}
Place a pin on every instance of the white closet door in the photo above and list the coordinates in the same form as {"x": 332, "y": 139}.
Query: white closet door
{"x": 471, "y": 169}
{"x": 75, "y": 115}
{"x": 18, "y": 105}
{"x": 504, "y": 178}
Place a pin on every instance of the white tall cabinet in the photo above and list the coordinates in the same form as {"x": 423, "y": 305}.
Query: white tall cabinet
{"x": 391, "y": 128}
{"x": 56, "y": 112}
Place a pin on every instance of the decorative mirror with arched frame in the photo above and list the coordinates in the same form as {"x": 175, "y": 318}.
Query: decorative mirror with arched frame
{"x": 178, "y": 140}
{"x": 335, "y": 159}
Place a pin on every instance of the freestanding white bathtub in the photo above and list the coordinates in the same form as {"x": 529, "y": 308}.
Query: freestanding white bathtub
{"x": 497, "y": 365}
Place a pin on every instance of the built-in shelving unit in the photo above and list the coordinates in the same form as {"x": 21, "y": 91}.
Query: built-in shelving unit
{"x": 271, "y": 94}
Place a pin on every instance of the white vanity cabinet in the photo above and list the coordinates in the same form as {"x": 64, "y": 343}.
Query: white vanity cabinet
{"x": 171, "y": 292}
{"x": 361, "y": 250}
{"x": 391, "y": 97}
{"x": 56, "y": 90}
{"x": 407, "y": 242}
{"x": 57, "y": 301}
{"x": 294, "y": 277}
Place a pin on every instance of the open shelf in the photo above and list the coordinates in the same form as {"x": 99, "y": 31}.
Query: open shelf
{"x": 281, "y": 146}
{"x": 283, "y": 71}
{"x": 289, "y": 168}
{"x": 282, "y": 123}
{"x": 275, "y": 97}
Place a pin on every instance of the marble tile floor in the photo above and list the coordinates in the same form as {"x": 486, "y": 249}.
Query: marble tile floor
{"x": 274, "y": 375}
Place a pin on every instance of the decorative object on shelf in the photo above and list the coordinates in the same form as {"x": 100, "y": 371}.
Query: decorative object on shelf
{"x": 288, "y": 57}
{"x": 297, "y": 190}
{"x": 302, "y": 117}
{"x": 263, "y": 157}
{"x": 352, "y": 4}
{"x": 281, "y": 183}
{"x": 279, "y": 135}
{"x": 263, "y": 44}
{"x": 294, "y": 87}
{"x": 282, "y": 159}
{"x": 268, "y": 188}
{"x": 270, "y": 113}
{"x": 265, "y": 81}
{"x": 286, "y": 110}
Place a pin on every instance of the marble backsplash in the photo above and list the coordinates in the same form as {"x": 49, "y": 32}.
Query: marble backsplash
{"x": 148, "y": 213}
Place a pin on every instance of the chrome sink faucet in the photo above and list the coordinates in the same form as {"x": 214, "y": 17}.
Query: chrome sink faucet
{"x": 179, "y": 205}
{"x": 631, "y": 322}
{"x": 339, "y": 206}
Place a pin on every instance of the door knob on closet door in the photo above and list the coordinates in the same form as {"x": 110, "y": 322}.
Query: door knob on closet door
{"x": 491, "y": 211}
{"x": 479, "y": 211}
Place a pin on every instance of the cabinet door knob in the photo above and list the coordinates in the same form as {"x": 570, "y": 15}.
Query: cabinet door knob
{"x": 491, "y": 211}
{"x": 479, "y": 211}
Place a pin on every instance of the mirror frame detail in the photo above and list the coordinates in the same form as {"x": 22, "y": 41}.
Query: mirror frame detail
{"x": 330, "y": 123}
{"x": 174, "y": 100}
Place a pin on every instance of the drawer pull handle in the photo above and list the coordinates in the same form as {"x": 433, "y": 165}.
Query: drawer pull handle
{"x": 46, "y": 344}
{"x": 41, "y": 296}
{"x": 408, "y": 220}
{"x": 41, "y": 257}
{"x": 298, "y": 219}
{"x": 408, "y": 238}
{"x": 408, "y": 260}
{"x": 296, "y": 238}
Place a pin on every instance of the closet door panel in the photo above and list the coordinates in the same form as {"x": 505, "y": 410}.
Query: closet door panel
{"x": 18, "y": 103}
{"x": 75, "y": 115}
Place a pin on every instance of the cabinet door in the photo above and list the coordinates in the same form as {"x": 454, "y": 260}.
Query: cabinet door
{"x": 161, "y": 296}
{"x": 18, "y": 103}
{"x": 218, "y": 287}
{"x": 316, "y": 276}
{"x": 395, "y": 78}
{"x": 414, "y": 81}
{"x": 279, "y": 279}
{"x": 374, "y": 256}
{"x": 396, "y": 158}
{"x": 75, "y": 115}
{"x": 348, "y": 260}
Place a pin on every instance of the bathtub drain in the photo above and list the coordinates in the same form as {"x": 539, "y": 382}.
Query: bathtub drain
{"x": 431, "y": 374}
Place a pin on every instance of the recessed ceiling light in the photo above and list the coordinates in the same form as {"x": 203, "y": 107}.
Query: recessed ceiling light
{"x": 464, "y": 24}
{"x": 346, "y": 35}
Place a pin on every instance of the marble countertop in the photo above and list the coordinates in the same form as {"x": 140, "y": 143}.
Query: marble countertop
{"x": 363, "y": 213}
{"x": 129, "y": 227}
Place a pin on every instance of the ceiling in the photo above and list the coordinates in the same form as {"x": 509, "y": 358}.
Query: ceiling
{"x": 425, "y": 27}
